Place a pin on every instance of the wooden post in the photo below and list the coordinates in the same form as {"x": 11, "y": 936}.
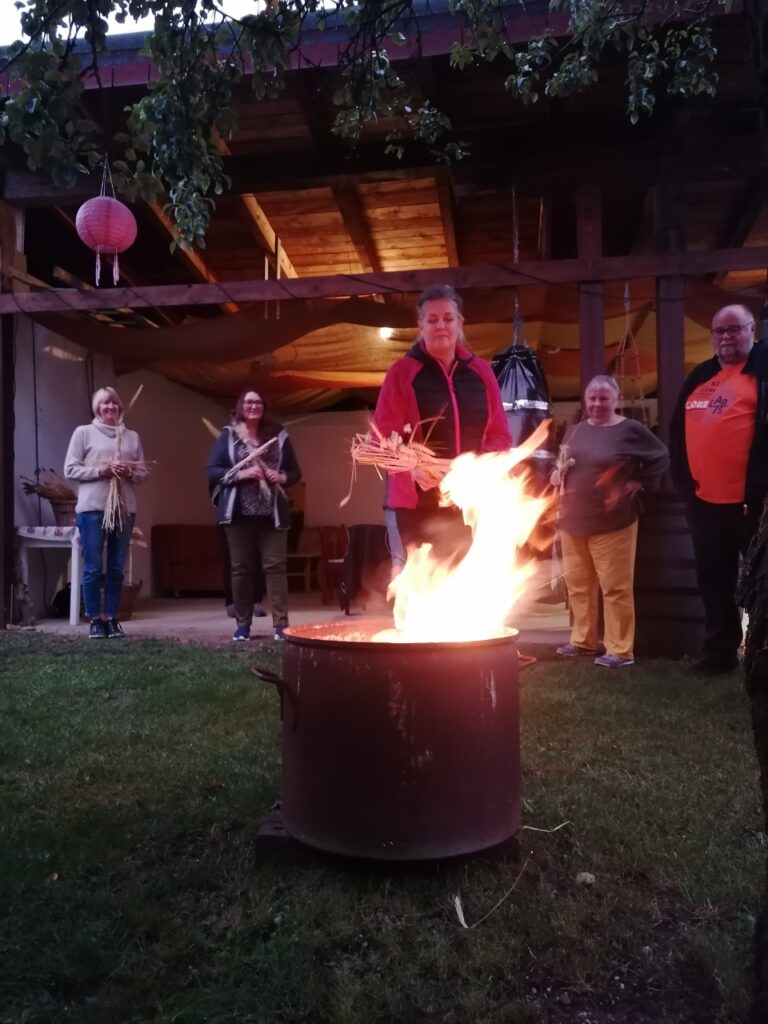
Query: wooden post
{"x": 589, "y": 233}
{"x": 670, "y": 347}
{"x": 670, "y": 302}
{"x": 7, "y": 388}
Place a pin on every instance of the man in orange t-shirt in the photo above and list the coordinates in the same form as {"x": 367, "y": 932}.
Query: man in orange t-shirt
{"x": 718, "y": 443}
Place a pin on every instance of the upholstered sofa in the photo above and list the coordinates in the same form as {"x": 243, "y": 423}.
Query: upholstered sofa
{"x": 187, "y": 559}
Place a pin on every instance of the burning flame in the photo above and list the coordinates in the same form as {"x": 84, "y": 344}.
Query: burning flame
{"x": 437, "y": 600}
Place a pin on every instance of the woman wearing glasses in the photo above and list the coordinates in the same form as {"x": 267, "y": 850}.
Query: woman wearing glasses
{"x": 249, "y": 467}
{"x": 719, "y": 445}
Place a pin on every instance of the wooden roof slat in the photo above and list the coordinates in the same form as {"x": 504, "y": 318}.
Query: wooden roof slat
{"x": 261, "y": 228}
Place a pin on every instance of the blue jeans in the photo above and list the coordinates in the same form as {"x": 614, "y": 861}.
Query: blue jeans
{"x": 92, "y": 537}
{"x": 396, "y": 549}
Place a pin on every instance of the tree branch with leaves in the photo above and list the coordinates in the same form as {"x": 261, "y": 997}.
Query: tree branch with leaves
{"x": 169, "y": 144}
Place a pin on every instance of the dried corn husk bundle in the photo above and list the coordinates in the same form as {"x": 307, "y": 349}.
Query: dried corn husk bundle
{"x": 48, "y": 485}
{"x": 394, "y": 455}
{"x": 115, "y": 510}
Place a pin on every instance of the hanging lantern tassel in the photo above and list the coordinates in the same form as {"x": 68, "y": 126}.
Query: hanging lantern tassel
{"x": 108, "y": 227}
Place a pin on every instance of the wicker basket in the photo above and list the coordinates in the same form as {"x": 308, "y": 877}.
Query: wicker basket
{"x": 128, "y": 600}
{"x": 63, "y": 511}
{"x": 128, "y": 597}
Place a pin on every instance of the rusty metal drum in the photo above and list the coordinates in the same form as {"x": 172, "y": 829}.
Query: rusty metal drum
{"x": 399, "y": 751}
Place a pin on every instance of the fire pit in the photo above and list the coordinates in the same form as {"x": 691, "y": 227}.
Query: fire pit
{"x": 398, "y": 751}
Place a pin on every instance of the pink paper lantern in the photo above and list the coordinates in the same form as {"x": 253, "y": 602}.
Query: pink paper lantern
{"x": 108, "y": 227}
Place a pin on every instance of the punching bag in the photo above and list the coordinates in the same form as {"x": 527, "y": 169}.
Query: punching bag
{"x": 524, "y": 390}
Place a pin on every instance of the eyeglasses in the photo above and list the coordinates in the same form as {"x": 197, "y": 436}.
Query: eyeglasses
{"x": 251, "y": 401}
{"x": 731, "y": 331}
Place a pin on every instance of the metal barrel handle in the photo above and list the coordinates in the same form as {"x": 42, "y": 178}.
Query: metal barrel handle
{"x": 283, "y": 690}
{"x": 268, "y": 677}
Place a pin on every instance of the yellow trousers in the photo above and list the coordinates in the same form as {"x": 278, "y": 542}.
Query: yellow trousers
{"x": 605, "y": 561}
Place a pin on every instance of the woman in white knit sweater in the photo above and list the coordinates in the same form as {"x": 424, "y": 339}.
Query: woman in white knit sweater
{"x": 106, "y": 460}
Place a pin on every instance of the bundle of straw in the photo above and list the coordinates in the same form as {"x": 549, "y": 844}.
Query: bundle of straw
{"x": 253, "y": 458}
{"x": 115, "y": 510}
{"x": 394, "y": 455}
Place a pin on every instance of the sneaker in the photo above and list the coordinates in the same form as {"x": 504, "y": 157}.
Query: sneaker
{"x": 98, "y": 630}
{"x": 114, "y": 631}
{"x": 242, "y": 633}
{"x": 613, "y": 661}
{"x": 231, "y": 614}
{"x": 279, "y": 633}
{"x": 572, "y": 651}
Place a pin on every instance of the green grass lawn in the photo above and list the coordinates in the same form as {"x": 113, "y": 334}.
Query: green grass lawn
{"x": 133, "y": 776}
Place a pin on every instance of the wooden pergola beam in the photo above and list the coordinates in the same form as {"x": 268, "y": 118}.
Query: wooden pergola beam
{"x": 544, "y": 232}
{"x": 191, "y": 257}
{"x": 447, "y": 203}
{"x": 589, "y": 234}
{"x": 479, "y": 277}
{"x": 288, "y": 171}
{"x": 265, "y": 234}
{"x": 277, "y": 173}
{"x": 8, "y": 250}
{"x": 670, "y": 298}
{"x": 260, "y": 226}
{"x": 348, "y": 201}
{"x": 742, "y": 216}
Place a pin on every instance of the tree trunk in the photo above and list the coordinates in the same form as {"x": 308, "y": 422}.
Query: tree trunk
{"x": 757, "y": 692}
{"x": 757, "y": 20}
{"x": 753, "y": 594}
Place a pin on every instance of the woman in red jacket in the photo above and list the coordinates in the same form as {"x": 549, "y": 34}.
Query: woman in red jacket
{"x": 450, "y": 400}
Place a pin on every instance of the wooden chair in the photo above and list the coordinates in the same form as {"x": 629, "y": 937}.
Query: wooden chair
{"x": 334, "y": 544}
{"x": 303, "y": 564}
{"x": 367, "y": 566}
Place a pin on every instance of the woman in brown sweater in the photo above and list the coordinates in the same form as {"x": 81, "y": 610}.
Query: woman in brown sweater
{"x": 607, "y": 459}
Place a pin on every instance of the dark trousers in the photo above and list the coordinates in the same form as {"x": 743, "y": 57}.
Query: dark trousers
{"x": 720, "y": 533}
{"x": 247, "y": 538}
{"x": 259, "y": 586}
{"x": 443, "y": 528}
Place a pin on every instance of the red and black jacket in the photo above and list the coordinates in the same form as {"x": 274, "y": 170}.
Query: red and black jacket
{"x": 452, "y": 411}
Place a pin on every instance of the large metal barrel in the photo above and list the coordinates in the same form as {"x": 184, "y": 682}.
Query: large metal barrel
{"x": 668, "y": 606}
{"x": 399, "y": 751}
